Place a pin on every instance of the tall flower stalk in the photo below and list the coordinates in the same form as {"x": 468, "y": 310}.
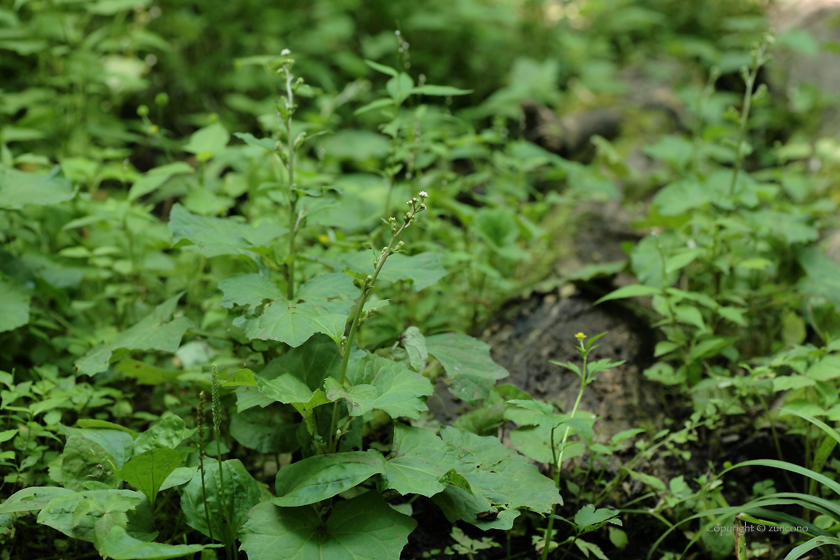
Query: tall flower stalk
{"x": 286, "y": 111}
{"x": 415, "y": 206}
{"x": 216, "y": 408}
{"x": 586, "y": 372}
{"x": 200, "y": 416}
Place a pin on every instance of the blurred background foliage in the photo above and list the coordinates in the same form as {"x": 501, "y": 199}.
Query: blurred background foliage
{"x": 76, "y": 72}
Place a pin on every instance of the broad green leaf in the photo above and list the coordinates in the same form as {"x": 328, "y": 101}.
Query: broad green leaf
{"x": 241, "y": 377}
{"x": 590, "y": 548}
{"x": 312, "y": 362}
{"x": 328, "y": 288}
{"x": 708, "y": 347}
{"x": 591, "y": 271}
{"x": 417, "y": 462}
{"x": 86, "y": 465}
{"x": 792, "y": 228}
{"x": 359, "y": 145}
{"x": 588, "y": 518}
{"x": 294, "y": 323}
{"x": 452, "y": 477}
{"x": 178, "y": 477}
{"x": 169, "y": 432}
{"x": 228, "y": 514}
{"x": 822, "y": 275}
{"x": 213, "y": 237}
{"x": 682, "y": 259}
{"x": 793, "y": 328}
{"x": 114, "y": 7}
{"x": 650, "y": 480}
{"x": 734, "y": 314}
{"x": 415, "y": 346}
{"x": 496, "y": 475}
{"x": 14, "y": 306}
{"x": 788, "y": 382}
{"x": 358, "y": 398}
{"x": 286, "y": 389}
{"x": 690, "y": 315}
{"x": 118, "y": 545}
{"x": 86, "y": 423}
{"x": 32, "y": 499}
{"x": 757, "y": 263}
{"x": 484, "y": 421}
{"x": 116, "y": 443}
{"x": 498, "y": 227}
{"x": 636, "y": 290}
{"x": 675, "y": 150}
{"x": 382, "y": 68}
{"x": 646, "y": 259}
{"x": 467, "y": 363}
{"x": 305, "y": 408}
{"x": 826, "y": 369}
{"x": 325, "y": 307}
{"x": 39, "y": 407}
{"x": 363, "y": 528}
{"x": 399, "y": 87}
{"x": 76, "y": 514}
{"x": 152, "y": 333}
{"x": 156, "y": 177}
{"x": 149, "y": 470}
{"x": 323, "y": 476}
{"x": 146, "y": 374}
{"x": 18, "y": 189}
{"x": 440, "y": 90}
{"x": 207, "y": 141}
{"x": 249, "y": 289}
{"x": 535, "y": 443}
{"x": 373, "y": 105}
{"x": 399, "y": 391}
{"x": 251, "y": 140}
{"x": 499, "y": 474}
{"x": 423, "y": 270}
{"x": 374, "y": 305}
{"x": 264, "y": 430}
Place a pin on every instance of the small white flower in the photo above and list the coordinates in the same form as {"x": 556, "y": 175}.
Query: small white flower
{"x": 285, "y": 52}
{"x": 423, "y": 194}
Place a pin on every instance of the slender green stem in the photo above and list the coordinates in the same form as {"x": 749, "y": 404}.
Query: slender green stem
{"x": 749, "y": 78}
{"x": 204, "y": 493}
{"x": 290, "y": 169}
{"x": 584, "y": 382}
{"x": 416, "y": 206}
{"x": 216, "y": 408}
{"x": 200, "y": 417}
{"x": 354, "y": 326}
{"x": 227, "y": 538}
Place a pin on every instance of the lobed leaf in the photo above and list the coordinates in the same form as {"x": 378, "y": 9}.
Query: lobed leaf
{"x": 362, "y": 528}
{"x": 467, "y": 363}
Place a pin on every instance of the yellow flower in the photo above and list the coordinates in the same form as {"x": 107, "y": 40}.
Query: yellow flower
{"x": 580, "y": 336}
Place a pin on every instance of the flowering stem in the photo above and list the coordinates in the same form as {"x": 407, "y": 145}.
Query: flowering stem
{"x": 290, "y": 170}
{"x": 201, "y": 460}
{"x": 217, "y": 421}
{"x": 584, "y": 381}
{"x": 749, "y": 77}
{"x": 416, "y": 207}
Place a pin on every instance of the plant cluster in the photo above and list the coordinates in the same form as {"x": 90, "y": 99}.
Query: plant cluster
{"x": 225, "y": 343}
